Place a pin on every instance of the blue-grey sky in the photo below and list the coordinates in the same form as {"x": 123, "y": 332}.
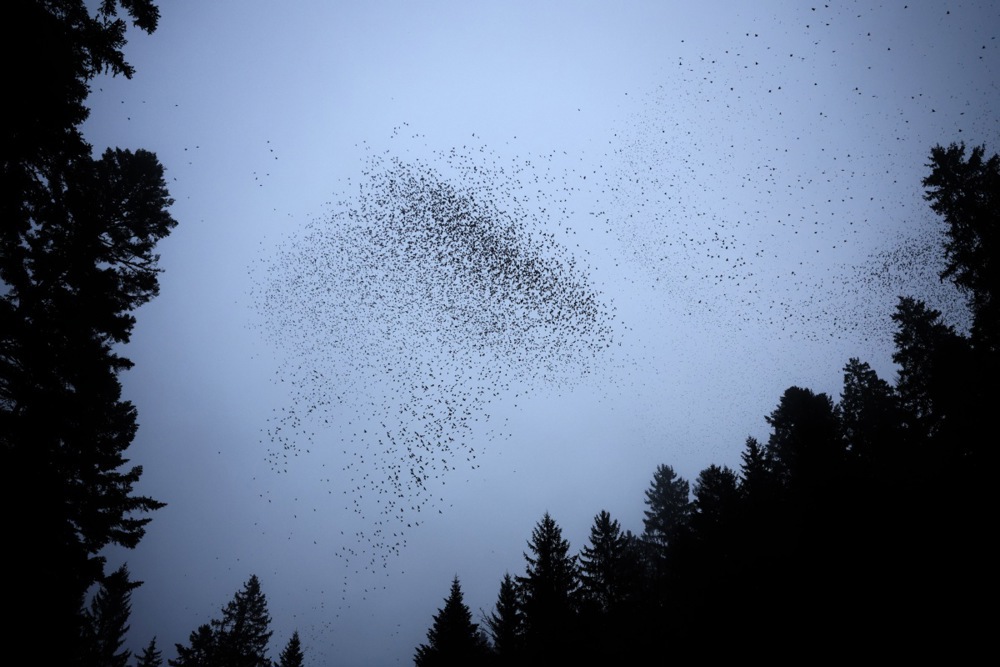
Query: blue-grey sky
{"x": 735, "y": 186}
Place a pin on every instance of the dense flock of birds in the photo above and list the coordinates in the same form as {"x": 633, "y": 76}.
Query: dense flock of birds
{"x": 435, "y": 289}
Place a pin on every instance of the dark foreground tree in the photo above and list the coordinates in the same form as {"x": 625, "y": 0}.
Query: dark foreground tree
{"x": 76, "y": 258}
{"x": 291, "y": 656}
{"x": 453, "y": 639}
{"x": 668, "y": 507}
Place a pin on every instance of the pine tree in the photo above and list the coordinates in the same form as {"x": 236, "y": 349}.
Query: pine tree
{"x": 202, "y": 650}
{"x": 453, "y": 639}
{"x": 669, "y": 507}
{"x": 506, "y": 623}
{"x": 603, "y": 562}
{"x": 291, "y": 656}
{"x": 107, "y": 620}
{"x": 243, "y": 633}
{"x": 549, "y": 589}
{"x": 150, "y": 656}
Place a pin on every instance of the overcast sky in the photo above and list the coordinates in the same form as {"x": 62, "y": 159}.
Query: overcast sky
{"x": 723, "y": 198}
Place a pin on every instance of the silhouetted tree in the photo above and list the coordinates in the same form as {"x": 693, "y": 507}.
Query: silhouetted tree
{"x": 669, "y": 506}
{"x": 243, "y": 633}
{"x": 239, "y": 639}
{"x": 602, "y": 564}
{"x": 107, "y": 620}
{"x": 202, "y": 649}
{"x": 505, "y": 623}
{"x": 805, "y": 444}
{"x": 549, "y": 589}
{"x": 291, "y": 656}
{"x": 453, "y": 639}
{"x": 75, "y": 260}
{"x": 966, "y": 193}
{"x": 150, "y": 656}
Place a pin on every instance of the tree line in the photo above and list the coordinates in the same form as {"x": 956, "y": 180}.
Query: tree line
{"x": 861, "y": 526}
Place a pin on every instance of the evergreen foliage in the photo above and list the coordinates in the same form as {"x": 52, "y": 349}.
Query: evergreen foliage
{"x": 549, "y": 594}
{"x": 76, "y": 258}
{"x": 669, "y": 507}
{"x": 506, "y": 623}
{"x": 453, "y": 639}
{"x": 239, "y": 639}
{"x": 107, "y": 620}
{"x": 291, "y": 656}
{"x": 151, "y": 656}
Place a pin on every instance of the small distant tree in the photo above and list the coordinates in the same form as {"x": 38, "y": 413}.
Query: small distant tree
{"x": 453, "y": 639}
{"x": 150, "y": 656}
{"x": 291, "y": 656}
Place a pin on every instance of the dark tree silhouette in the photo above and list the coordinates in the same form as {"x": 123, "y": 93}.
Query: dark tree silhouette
{"x": 76, "y": 258}
{"x": 966, "y": 193}
{"x": 453, "y": 639}
{"x": 505, "y": 623}
{"x": 291, "y": 656}
{"x": 669, "y": 507}
{"x": 107, "y": 620}
{"x": 603, "y": 563}
{"x": 243, "y": 633}
{"x": 549, "y": 590}
{"x": 201, "y": 651}
{"x": 150, "y": 656}
{"x": 239, "y": 639}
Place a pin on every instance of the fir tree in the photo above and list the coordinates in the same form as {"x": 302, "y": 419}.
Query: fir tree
{"x": 291, "y": 656}
{"x": 453, "y": 639}
{"x": 506, "y": 623}
{"x": 150, "y": 656}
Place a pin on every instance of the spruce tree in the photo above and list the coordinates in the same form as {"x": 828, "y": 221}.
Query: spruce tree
{"x": 107, "y": 620}
{"x": 453, "y": 639}
{"x": 150, "y": 656}
{"x": 243, "y": 633}
{"x": 549, "y": 592}
{"x": 291, "y": 656}
{"x": 506, "y": 623}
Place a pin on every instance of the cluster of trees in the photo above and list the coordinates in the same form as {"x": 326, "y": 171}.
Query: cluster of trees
{"x": 860, "y": 527}
{"x": 76, "y": 258}
{"x": 239, "y": 638}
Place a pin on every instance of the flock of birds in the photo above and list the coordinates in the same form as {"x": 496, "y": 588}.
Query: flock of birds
{"x": 436, "y": 289}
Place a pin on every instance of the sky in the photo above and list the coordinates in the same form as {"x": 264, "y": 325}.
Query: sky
{"x": 443, "y": 267}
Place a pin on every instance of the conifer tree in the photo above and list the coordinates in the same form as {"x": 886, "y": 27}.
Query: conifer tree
{"x": 505, "y": 623}
{"x": 669, "y": 507}
{"x": 243, "y": 633}
{"x": 107, "y": 620}
{"x": 151, "y": 656}
{"x": 453, "y": 639}
{"x": 549, "y": 591}
{"x": 291, "y": 656}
